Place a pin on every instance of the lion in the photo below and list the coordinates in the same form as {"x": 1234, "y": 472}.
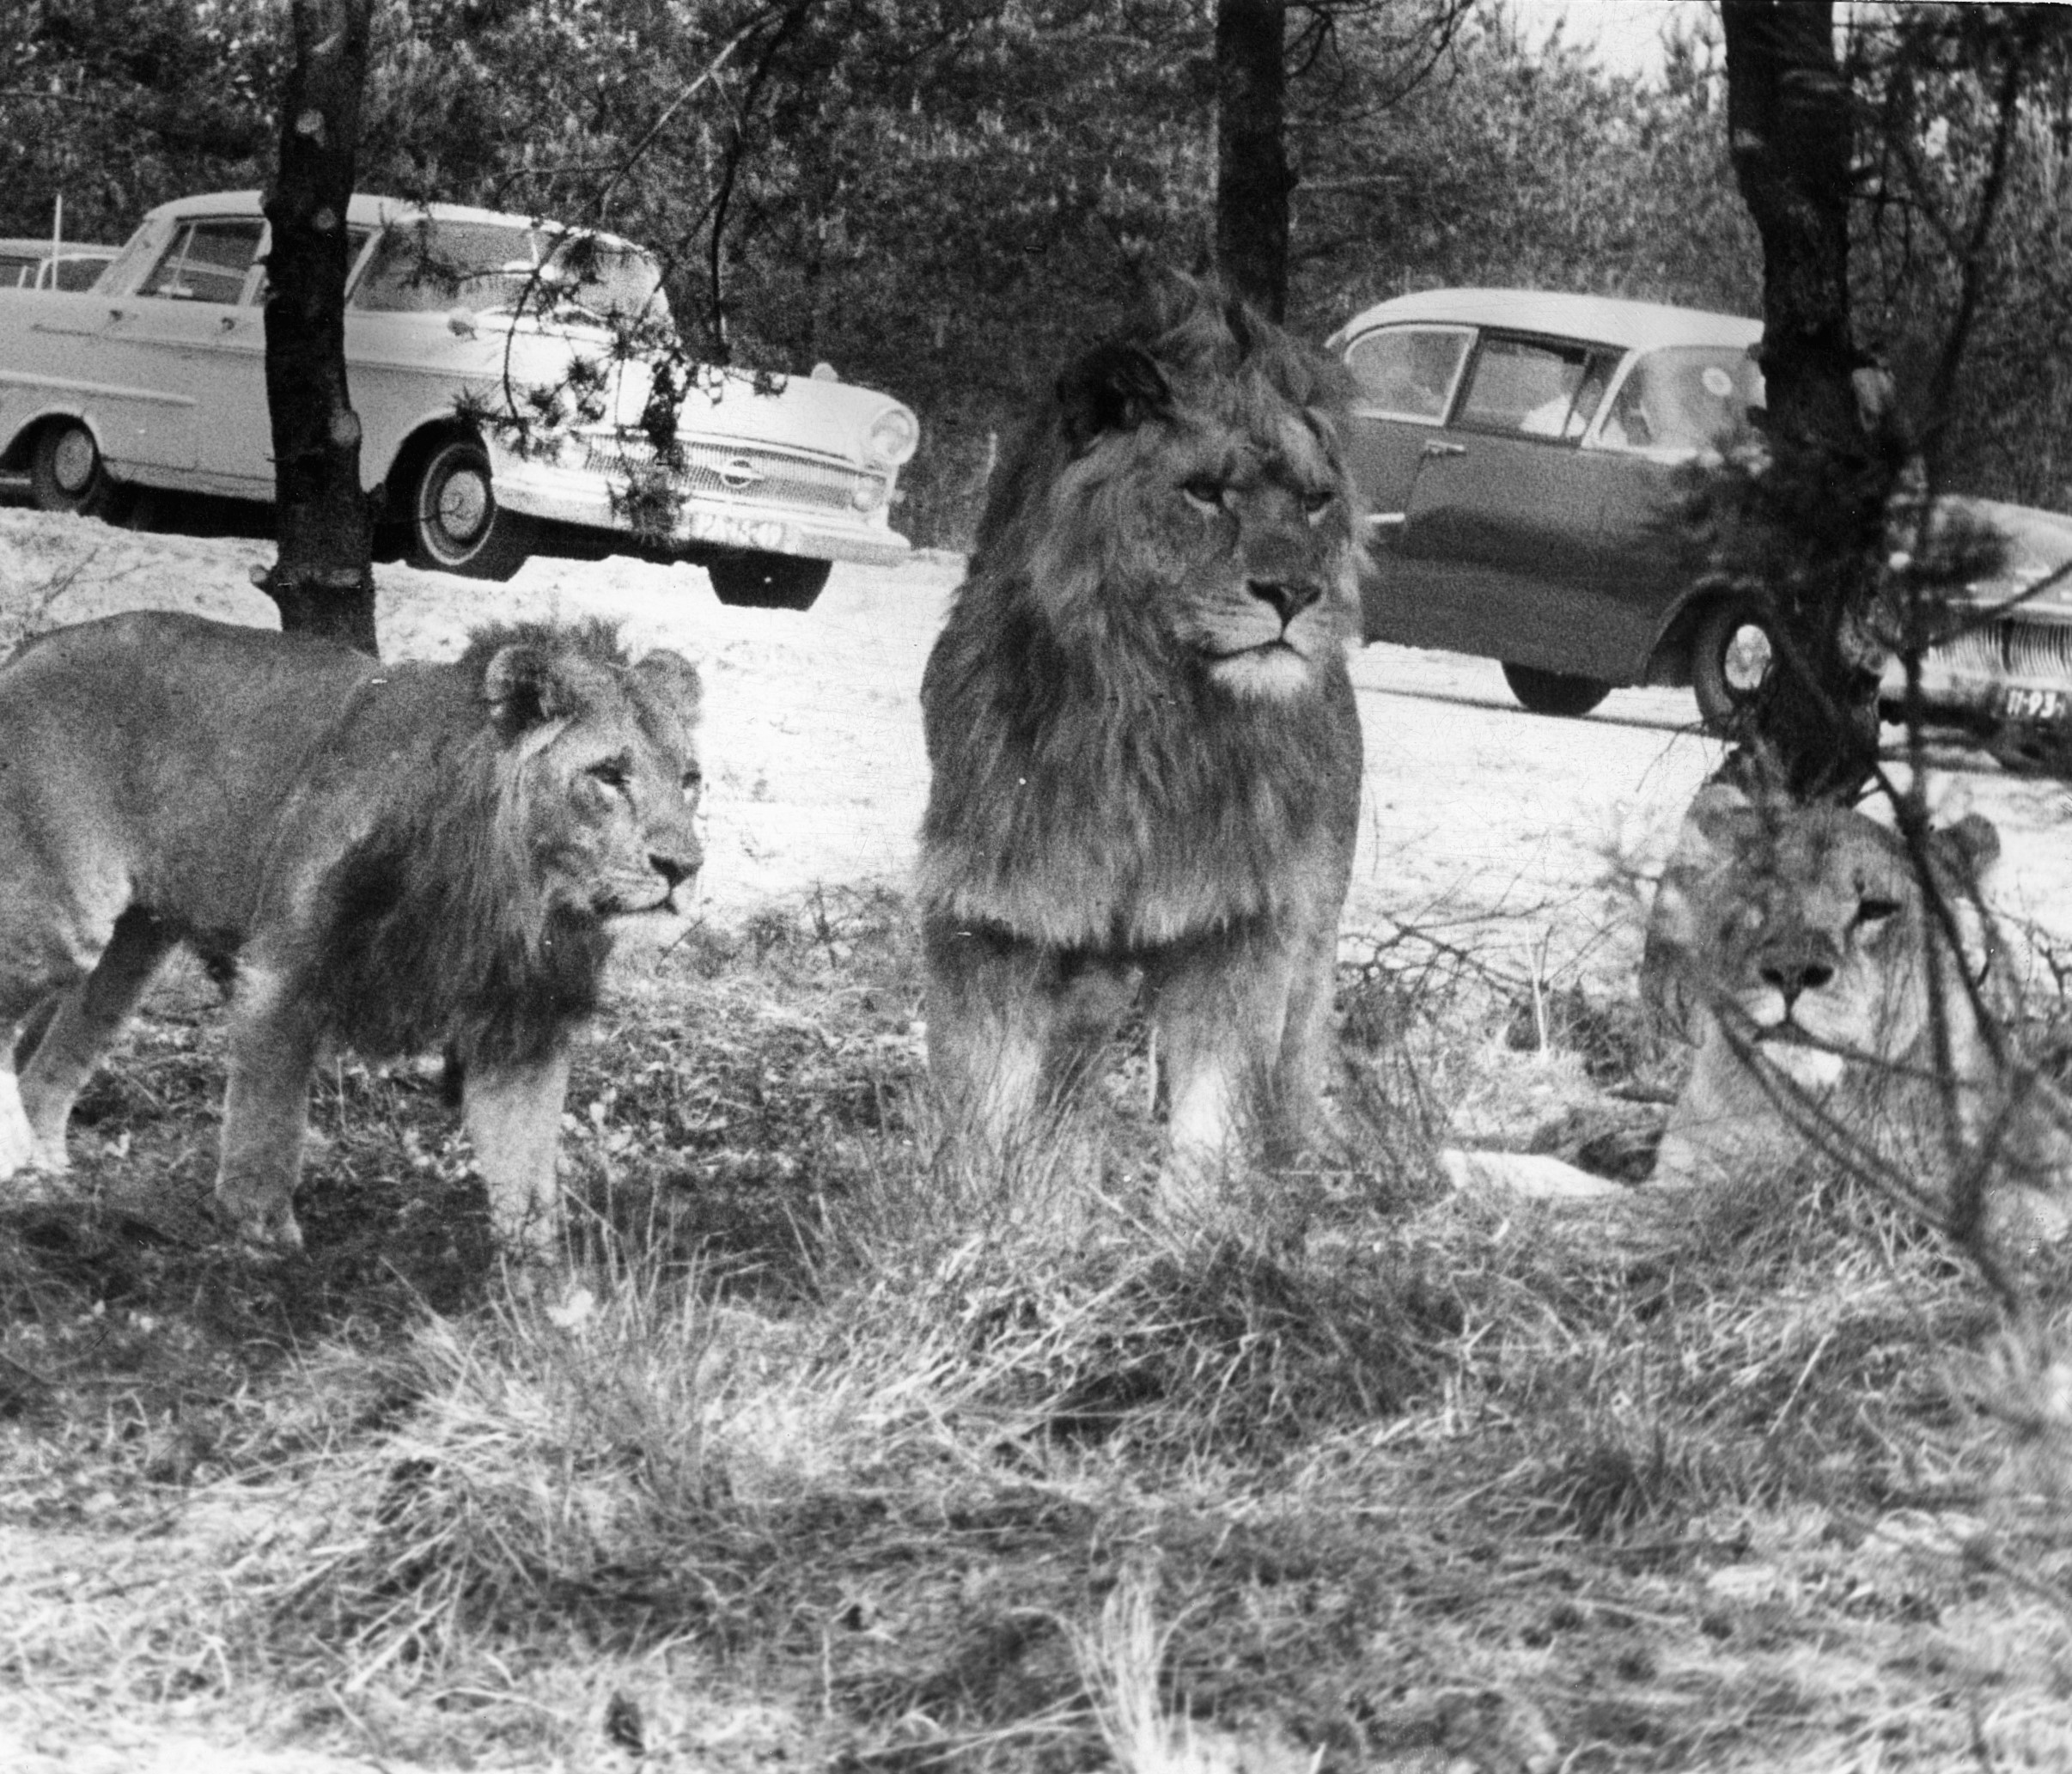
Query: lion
{"x": 1144, "y": 747}
{"x": 398, "y": 858}
{"x": 1796, "y": 948}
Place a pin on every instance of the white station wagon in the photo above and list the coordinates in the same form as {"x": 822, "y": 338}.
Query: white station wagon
{"x": 465, "y": 330}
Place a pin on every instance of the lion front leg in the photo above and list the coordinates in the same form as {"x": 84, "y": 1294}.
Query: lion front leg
{"x": 273, "y": 1047}
{"x": 1220, "y": 1004}
{"x": 84, "y": 1022}
{"x": 512, "y": 1112}
{"x": 1010, "y": 1025}
{"x": 1294, "y": 1101}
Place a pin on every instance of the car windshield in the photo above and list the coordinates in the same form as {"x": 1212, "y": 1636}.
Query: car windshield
{"x": 1685, "y": 398}
{"x": 427, "y": 264}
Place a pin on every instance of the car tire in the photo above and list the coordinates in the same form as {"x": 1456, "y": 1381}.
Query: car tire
{"x": 1554, "y": 692}
{"x": 768, "y": 581}
{"x": 1731, "y": 654}
{"x": 455, "y": 524}
{"x": 66, "y": 473}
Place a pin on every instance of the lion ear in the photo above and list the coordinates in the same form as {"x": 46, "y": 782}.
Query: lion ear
{"x": 1114, "y": 387}
{"x": 524, "y": 689}
{"x": 1972, "y": 847}
{"x": 673, "y": 680}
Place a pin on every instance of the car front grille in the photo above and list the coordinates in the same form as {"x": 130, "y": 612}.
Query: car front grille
{"x": 754, "y": 476}
{"x": 2025, "y": 651}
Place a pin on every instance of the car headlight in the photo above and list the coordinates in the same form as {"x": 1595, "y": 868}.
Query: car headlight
{"x": 893, "y": 436}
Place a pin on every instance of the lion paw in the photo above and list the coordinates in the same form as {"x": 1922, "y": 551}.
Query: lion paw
{"x": 267, "y": 1230}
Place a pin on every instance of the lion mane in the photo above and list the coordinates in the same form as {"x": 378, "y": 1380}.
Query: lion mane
{"x": 397, "y": 857}
{"x": 1144, "y": 746}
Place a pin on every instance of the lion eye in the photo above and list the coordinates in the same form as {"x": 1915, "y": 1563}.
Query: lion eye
{"x": 613, "y": 773}
{"x": 1205, "y": 492}
{"x": 1318, "y": 501}
{"x": 693, "y": 781}
{"x": 1875, "y": 911}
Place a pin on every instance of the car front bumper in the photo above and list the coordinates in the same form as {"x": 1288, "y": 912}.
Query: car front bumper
{"x": 699, "y": 523}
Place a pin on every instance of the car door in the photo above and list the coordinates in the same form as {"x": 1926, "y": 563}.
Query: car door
{"x": 1500, "y": 552}
{"x": 1404, "y": 379}
{"x": 192, "y": 336}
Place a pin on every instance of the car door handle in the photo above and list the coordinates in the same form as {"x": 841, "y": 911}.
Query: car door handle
{"x": 227, "y": 321}
{"x": 1445, "y": 449}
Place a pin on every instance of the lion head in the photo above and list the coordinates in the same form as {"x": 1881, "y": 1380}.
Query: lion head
{"x": 1139, "y": 714}
{"x": 1808, "y": 929}
{"x": 1804, "y": 950}
{"x": 561, "y": 793}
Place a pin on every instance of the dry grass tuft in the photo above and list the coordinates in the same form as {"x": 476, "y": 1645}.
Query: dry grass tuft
{"x": 875, "y": 1462}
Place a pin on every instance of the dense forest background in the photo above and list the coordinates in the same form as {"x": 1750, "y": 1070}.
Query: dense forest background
{"x": 942, "y": 197}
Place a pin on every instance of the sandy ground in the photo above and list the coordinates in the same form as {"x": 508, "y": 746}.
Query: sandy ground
{"x": 1483, "y": 824}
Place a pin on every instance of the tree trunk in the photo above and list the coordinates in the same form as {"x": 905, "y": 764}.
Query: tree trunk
{"x": 1253, "y": 181}
{"x": 1831, "y": 472}
{"x": 323, "y": 580}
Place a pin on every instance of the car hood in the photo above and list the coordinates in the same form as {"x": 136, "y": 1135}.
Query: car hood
{"x": 791, "y": 412}
{"x": 2038, "y": 546}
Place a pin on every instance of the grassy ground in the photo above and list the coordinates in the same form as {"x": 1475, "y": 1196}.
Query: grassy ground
{"x": 821, "y": 1456}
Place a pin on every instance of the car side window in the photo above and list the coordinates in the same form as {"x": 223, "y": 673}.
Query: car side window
{"x": 355, "y": 244}
{"x": 205, "y": 261}
{"x": 16, "y": 271}
{"x": 1408, "y": 372}
{"x": 1536, "y": 388}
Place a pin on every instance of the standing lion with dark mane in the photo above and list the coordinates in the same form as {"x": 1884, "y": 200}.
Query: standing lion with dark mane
{"x": 400, "y": 857}
{"x": 1144, "y": 743}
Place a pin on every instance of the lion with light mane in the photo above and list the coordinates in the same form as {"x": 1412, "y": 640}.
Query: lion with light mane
{"x": 1144, "y": 746}
{"x": 1796, "y": 948}
{"x": 399, "y": 858}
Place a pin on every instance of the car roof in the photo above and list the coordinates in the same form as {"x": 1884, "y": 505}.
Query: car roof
{"x": 1607, "y": 320}
{"x": 366, "y": 210}
{"x": 67, "y": 249}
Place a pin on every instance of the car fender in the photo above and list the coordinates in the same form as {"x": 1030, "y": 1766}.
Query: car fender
{"x": 1669, "y": 656}
{"x": 24, "y": 430}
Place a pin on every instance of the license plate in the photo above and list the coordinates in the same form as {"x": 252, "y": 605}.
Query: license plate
{"x": 763, "y": 532}
{"x": 2018, "y": 703}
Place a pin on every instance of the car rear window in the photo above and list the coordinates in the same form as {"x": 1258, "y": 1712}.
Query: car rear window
{"x": 207, "y": 261}
{"x": 1409, "y": 372}
{"x": 1684, "y": 398}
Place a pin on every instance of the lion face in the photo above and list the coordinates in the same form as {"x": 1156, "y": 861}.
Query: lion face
{"x": 1204, "y": 516}
{"x": 608, "y": 778}
{"x": 1808, "y": 928}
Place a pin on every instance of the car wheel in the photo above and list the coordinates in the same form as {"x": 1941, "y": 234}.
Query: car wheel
{"x": 768, "y": 581}
{"x": 1554, "y": 692}
{"x": 66, "y": 473}
{"x": 455, "y": 523}
{"x": 1731, "y": 659}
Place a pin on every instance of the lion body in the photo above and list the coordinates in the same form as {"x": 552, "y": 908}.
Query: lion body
{"x": 399, "y": 857}
{"x": 1796, "y": 948}
{"x": 1144, "y": 746}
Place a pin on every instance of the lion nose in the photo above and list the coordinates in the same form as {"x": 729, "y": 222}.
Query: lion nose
{"x": 1289, "y": 598}
{"x": 673, "y": 870}
{"x": 1792, "y": 978}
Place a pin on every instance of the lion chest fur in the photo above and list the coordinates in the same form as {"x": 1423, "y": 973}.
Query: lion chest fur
{"x": 1080, "y": 807}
